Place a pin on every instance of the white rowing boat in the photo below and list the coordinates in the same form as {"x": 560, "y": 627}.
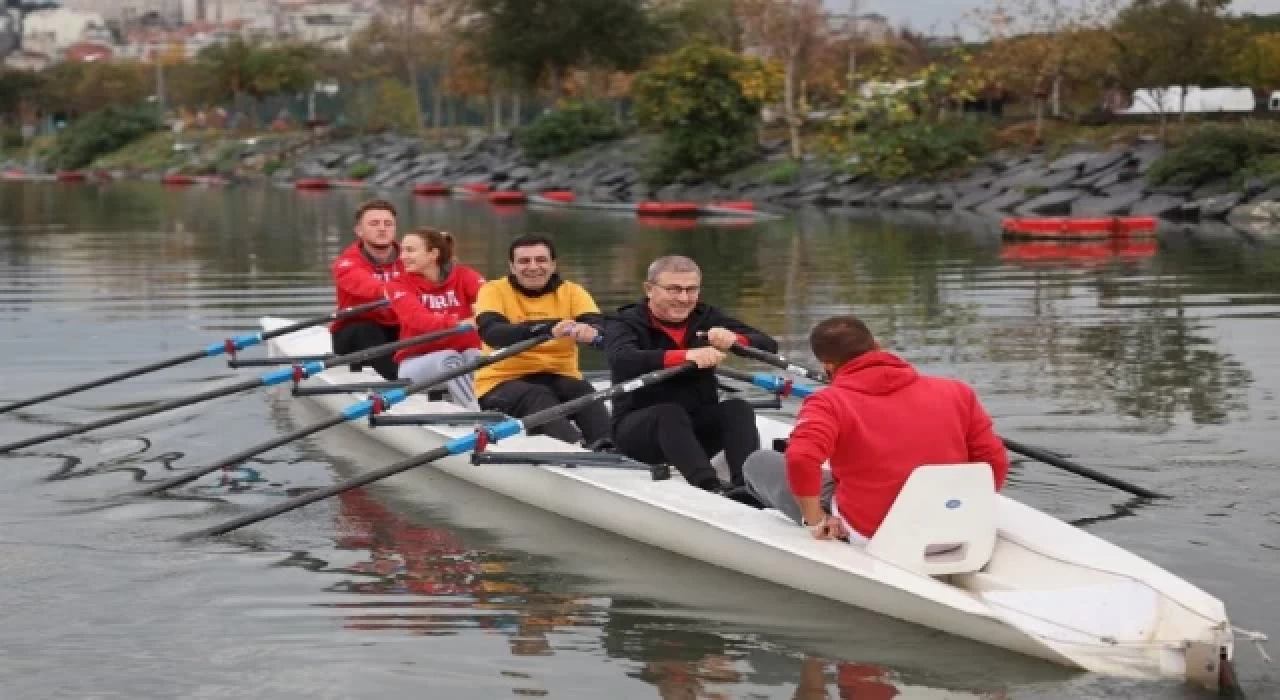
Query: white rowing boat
{"x": 1004, "y": 573}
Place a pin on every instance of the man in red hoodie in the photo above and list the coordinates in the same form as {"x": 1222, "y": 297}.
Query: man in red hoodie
{"x": 877, "y": 422}
{"x": 360, "y": 276}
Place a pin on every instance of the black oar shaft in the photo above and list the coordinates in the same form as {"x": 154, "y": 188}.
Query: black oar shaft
{"x": 1036, "y": 453}
{"x": 321, "y": 494}
{"x": 239, "y": 457}
{"x": 1079, "y": 469}
{"x": 133, "y": 415}
{"x": 269, "y": 379}
{"x": 238, "y": 342}
{"x": 459, "y": 445}
{"x": 111, "y": 379}
{"x": 340, "y": 313}
{"x": 353, "y": 412}
{"x": 778, "y": 361}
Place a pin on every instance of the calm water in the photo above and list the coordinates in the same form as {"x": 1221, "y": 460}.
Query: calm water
{"x": 1159, "y": 366}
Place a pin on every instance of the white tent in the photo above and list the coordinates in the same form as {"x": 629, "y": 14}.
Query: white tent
{"x": 1169, "y": 100}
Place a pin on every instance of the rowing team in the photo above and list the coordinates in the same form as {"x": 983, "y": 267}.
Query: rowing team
{"x": 874, "y": 425}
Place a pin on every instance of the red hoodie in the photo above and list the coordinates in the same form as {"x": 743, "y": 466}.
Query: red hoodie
{"x": 876, "y": 423}
{"x": 423, "y": 306}
{"x": 359, "y": 280}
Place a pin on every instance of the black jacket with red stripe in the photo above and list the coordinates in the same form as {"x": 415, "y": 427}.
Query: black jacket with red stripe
{"x": 636, "y": 343}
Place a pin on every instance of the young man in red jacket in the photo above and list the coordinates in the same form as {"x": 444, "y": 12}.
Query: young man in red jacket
{"x": 876, "y": 423}
{"x": 360, "y": 276}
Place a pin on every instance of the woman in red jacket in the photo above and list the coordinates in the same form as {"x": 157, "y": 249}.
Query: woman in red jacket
{"x": 435, "y": 293}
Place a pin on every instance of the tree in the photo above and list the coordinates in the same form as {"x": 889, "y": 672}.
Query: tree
{"x": 79, "y": 88}
{"x": 1173, "y": 43}
{"x": 1258, "y": 63}
{"x": 785, "y": 29}
{"x": 16, "y": 87}
{"x": 705, "y": 101}
{"x": 530, "y": 41}
{"x": 239, "y": 69}
{"x": 1038, "y": 47}
{"x": 684, "y": 21}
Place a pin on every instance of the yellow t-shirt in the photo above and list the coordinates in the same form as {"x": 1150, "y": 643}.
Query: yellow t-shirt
{"x": 559, "y": 356}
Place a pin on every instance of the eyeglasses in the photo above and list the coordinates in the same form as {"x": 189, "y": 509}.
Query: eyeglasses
{"x": 675, "y": 289}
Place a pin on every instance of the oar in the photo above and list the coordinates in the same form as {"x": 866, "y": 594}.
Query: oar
{"x": 783, "y": 386}
{"x": 778, "y": 361}
{"x": 467, "y": 443}
{"x": 298, "y": 371}
{"x": 353, "y": 412}
{"x": 229, "y": 345}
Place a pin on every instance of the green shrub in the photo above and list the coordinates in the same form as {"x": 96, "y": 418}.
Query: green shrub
{"x": 572, "y": 127}
{"x": 386, "y": 106}
{"x": 10, "y": 139}
{"x": 1217, "y": 152}
{"x": 99, "y": 133}
{"x": 359, "y": 171}
{"x": 918, "y": 148}
{"x": 705, "y": 103}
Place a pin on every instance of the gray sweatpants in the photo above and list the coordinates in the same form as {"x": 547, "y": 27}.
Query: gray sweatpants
{"x": 766, "y": 475}
{"x": 431, "y": 364}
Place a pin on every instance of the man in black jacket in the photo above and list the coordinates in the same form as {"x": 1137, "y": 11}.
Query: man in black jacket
{"x": 681, "y": 421}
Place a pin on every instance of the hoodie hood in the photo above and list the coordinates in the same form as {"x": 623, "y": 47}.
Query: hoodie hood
{"x": 877, "y": 373}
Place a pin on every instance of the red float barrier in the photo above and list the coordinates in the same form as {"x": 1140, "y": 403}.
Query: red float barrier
{"x": 1082, "y": 228}
{"x": 177, "y": 180}
{"x": 564, "y": 196}
{"x": 71, "y": 176}
{"x": 507, "y": 197}
{"x": 740, "y": 206}
{"x": 667, "y": 209}
{"x": 478, "y": 187}
{"x": 431, "y": 189}
{"x": 311, "y": 183}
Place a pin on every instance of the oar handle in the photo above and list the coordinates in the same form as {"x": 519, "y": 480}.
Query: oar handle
{"x": 466, "y": 443}
{"x": 778, "y": 361}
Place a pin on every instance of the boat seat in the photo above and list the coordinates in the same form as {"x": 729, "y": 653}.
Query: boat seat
{"x": 942, "y": 522}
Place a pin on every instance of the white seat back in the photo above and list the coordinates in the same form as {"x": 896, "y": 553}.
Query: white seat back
{"x": 943, "y": 521}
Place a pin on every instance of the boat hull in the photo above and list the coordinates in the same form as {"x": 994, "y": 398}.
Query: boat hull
{"x": 672, "y": 516}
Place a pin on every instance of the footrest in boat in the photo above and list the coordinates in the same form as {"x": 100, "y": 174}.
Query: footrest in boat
{"x": 238, "y": 362}
{"x": 381, "y": 420}
{"x": 350, "y": 388}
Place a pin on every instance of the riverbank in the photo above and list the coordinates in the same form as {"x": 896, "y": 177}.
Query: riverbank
{"x": 1082, "y": 182}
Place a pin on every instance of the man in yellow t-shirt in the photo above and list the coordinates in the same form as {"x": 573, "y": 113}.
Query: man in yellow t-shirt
{"x": 530, "y": 301}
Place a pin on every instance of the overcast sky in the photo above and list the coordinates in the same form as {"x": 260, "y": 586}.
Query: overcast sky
{"x": 939, "y": 16}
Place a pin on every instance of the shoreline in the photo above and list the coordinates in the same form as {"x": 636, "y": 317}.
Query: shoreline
{"x": 1082, "y": 183}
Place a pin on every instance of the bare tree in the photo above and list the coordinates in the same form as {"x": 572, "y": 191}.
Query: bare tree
{"x": 784, "y": 29}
